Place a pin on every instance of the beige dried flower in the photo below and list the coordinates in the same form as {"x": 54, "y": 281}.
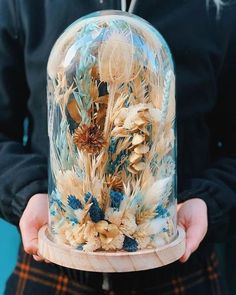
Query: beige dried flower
{"x": 90, "y": 231}
{"x": 92, "y": 245}
{"x": 68, "y": 183}
{"x": 78, "y": 233}
{"x": 115, "y": 59}
{"x": 128, "y": 223}
{"x": 145, "y": 215}
{"x": 142, "y": 242}
{"x": 113, "y": 216}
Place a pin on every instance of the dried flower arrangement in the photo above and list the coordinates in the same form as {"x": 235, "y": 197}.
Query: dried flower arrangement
{"x": 111, "y": 108}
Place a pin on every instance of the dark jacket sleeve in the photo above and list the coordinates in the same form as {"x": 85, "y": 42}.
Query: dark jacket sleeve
{"x": 217, "y": 185}
{"x": 22, "y": 174}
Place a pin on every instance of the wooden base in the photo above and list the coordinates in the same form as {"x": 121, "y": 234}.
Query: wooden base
{"x": 110, "y": 261}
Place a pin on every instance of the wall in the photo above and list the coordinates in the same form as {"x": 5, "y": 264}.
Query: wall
{"x": 9, "y": 243}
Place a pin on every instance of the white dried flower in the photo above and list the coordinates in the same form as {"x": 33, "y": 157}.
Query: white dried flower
{"x": 115, "y": 243}
{"x": 92, "y": 245}
{"x": 128, "y": 223}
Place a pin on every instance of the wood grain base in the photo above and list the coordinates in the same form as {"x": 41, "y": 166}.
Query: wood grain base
{"x": 110, "y": 261}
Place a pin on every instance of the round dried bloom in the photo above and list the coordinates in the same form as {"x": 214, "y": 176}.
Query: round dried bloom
{"x": 89, "y": 138}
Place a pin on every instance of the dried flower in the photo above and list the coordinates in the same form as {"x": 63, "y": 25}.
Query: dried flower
{"x": 115, "y": 243}
{"x": 95, "y": 212}
{"x": 161, "y": 212}
{"x": 115, "y": 182}
{"x": 130, "y": 245}
{"x": 89, "y": 138}
{"x": 116, "y": 199}
{"x": 92, "y": 245}
{"x": 102, "y": 227}
{"x": 90, "y": 231}
{"x": 128, "y": 223}
{"x": 74, "y": 203}
{"x": 78, "y": 233}
{"x": 142, "y": 242}
{"x": 68, "y": 183}
{"x": 115, "y": 62}
{"x": 113, "y": 216}
{"x": 144, "y": 215}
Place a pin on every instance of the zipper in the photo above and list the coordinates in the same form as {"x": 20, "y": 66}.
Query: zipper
{"x": 124, "y": 5}
{"x": 106, "y": 278}
{"x": 131, "y": 6}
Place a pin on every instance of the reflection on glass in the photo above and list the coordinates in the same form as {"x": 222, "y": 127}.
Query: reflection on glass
{"x": 111, "y": 112}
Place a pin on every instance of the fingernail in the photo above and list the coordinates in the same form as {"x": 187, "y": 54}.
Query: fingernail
{"x": 37, "y": 258}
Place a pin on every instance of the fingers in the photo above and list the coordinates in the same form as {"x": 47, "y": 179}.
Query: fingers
{"x": 29, "y": 238}
{"x": 192, "y": 216}
{"x": 33, "y": 218}
{"x": 194, "y": 236}
{"x": 30, "y": 242}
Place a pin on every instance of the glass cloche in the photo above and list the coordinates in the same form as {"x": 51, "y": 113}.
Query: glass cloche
{"x": 111, "y": 125}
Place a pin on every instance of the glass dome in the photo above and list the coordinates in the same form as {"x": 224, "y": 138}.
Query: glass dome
{"x": 111, "y": 125}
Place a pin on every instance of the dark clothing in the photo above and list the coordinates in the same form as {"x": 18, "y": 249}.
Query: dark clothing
{"x": 205, "y": 63}
{"x": 204, "y": 54}
{"x": 33, "y": 278}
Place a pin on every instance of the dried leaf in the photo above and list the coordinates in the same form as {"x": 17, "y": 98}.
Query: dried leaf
{"x": 73, "y": 108}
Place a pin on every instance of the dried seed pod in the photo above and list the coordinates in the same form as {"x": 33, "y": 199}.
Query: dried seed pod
{"x": 141, "y": 149}
{"x": 132, "y": 170}
{"x": 140, "y": 122}
{"x": 137, "y": 139}
{"x": 139, "y": 166}
{"x": 133, "y": 158}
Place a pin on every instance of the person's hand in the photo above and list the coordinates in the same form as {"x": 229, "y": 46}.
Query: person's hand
{"x": 33, "y": 218}
{"x": 192, "y": 217}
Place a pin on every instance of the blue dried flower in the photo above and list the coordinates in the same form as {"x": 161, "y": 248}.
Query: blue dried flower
{"x": 113, "y": 145}
{"x": 87, "y": 196}
{"x": 53, "y": 212}
{"x": 95, "y": 212}
{"x": 74, "y": 203}
{"x": 116, "y": 199}
{"x": 73, "y": 220}
{"x": 130, "y": 245}
{"x": 161, "y": 212}
{"x": 80, "y": 247}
